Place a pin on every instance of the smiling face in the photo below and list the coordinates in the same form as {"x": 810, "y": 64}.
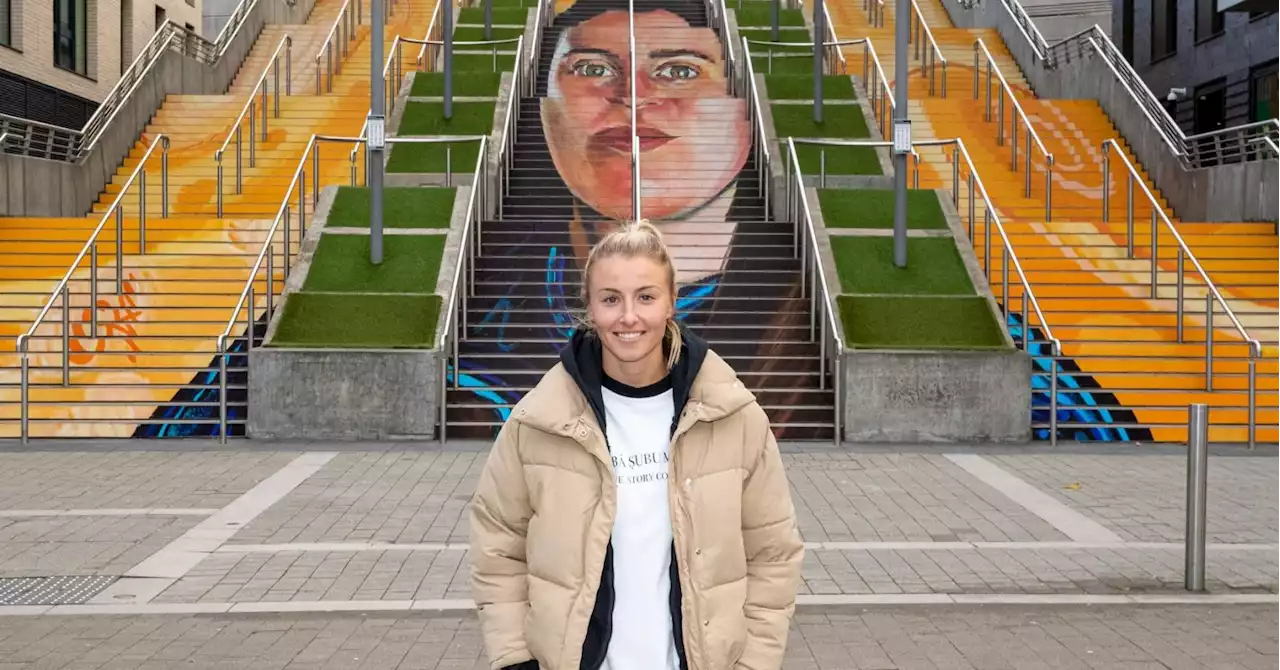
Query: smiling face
{"x": 693, "y": 136}
{"x": 629, "y": 301}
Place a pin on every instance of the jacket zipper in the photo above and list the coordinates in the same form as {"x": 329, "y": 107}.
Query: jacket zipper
{"x": 682, "y": 544}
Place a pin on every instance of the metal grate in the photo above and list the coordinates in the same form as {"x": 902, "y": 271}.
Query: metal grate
{"x": 62, "y": 590}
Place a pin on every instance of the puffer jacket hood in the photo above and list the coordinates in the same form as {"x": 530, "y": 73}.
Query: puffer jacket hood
{"x": 542, "y": 520}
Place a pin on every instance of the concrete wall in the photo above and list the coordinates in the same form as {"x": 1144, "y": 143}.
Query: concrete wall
{"x": 925, "y": 396}
{"x": 1244, "y": 44}
{"x": 1239, "y": 192}
{"x": 342, "y": 394}
{"x": 68, "y": 190}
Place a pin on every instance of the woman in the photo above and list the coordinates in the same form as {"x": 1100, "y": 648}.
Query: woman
{"x": 634, "y": 512}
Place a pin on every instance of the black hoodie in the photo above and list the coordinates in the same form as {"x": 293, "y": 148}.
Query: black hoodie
{"x": 582, "y": 360}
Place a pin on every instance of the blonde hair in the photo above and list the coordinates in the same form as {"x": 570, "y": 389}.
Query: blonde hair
{"x": 638, "y": 239}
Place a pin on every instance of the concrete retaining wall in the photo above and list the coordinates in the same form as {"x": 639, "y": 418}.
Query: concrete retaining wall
{"x": 1237, "y": 192}
{"x": 38, "y": 187}
{"x": 929, "y": 396}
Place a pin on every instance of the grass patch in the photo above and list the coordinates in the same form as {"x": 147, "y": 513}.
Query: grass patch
{"x": 411, "y": 264}
{"x": 358, "y": 320}
{"x": 761, "y": 15}
{"x": 476, "y": 34}
{"x": 784, "y": 35}
{"x": 501, "y": 15}
{"x": 842, "y": 208}
{"x": 782, "y": 64}
{"x": 919, "y": 323}
{"x": 402, "y": 207}
{"x": 508, "y": 4}
{"x": 837, "y": 121}
{"x": 481, "y": 62}
{"x": 460, "y": 157}
{"x": 840, "y": 160}
{"x": 934, "y": 267}
{"x": 793, "y": 87}
{"x": 428, "y": 84}
{"x": 427, "y": 118}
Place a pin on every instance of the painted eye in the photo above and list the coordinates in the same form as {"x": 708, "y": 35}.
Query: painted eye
{"x": 677, "y": 72}
{"x": 594, "y": 69}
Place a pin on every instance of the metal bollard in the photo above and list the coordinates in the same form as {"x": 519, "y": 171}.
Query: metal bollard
{"x": 1197, "y": 485}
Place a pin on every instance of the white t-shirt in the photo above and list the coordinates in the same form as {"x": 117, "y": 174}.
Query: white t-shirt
{"x": 638, "y": 428}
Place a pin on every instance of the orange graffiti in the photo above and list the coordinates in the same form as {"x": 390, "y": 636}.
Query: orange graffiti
{"x": 124, "y": 314}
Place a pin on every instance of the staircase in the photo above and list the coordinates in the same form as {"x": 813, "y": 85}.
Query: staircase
{"x": 151, "y": 369}
{"x": 740, "y": 280}
{"x": 1123, "y": 375}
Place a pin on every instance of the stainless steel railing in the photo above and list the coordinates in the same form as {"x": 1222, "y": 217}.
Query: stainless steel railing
{"x": 824, "y": 322}
{"x": 53, "y": 142}
{"x": 1027, "y": 303}
{"x": 919, "y": 35}
{"x": 62, "y": 291}
{"x": 759, "y": 135}
{"x": 342, "y": 34}
{"x": 257, "y": 100}
{"x": 980, "y": 55}
{"x": 455, "y": 315}
{"x": 1184, "y": 254}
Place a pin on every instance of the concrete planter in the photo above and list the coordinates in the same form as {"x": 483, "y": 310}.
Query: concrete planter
{"x": 937, "y": 396}
{"x": 343, "y": 394}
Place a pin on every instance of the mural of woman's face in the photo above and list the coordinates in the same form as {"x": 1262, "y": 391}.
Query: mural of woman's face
{"x": 694, "y": 137}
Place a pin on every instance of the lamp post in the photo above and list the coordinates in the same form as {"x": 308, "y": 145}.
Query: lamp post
{"x": 901, "y": 131}
{"x": 375, "y": 137}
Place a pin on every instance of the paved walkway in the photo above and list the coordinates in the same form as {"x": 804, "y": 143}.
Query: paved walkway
{"x": 339, "y": 556}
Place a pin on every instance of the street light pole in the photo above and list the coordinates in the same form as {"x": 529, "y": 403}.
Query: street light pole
{"x": 375, "y": 137}
{"x": 901, "y": 131}
{"x": 446, "y": 15}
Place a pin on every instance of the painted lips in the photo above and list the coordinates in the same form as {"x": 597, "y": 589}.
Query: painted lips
{"x": 618, "y": 138}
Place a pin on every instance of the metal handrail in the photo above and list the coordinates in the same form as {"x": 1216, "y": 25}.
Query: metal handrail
{"x": 811, "y": 256}
{"x": 1018, "y": 13}
{"x": 54, "y": 142}
{"x": 991, "y": 216}
{"x": 1192, "y": 151}
{"x": 90, "y": 248}
{"x": 250, "y": 109}
{"x": 247, "y": 302}
{"x": 931, "y": 57}
{"x": 760, "y": 142}
{"x": 433, "y": 28}
{"x": 1031, "y": 133}
{"x": 344, "y": 27}
{"x": 880, "y": 96}
{"x": 1270, "y": 143}
{"x": 832, "y": 38}
{"x": 828, "y": 62}
{"x": 875, "y": 12}
{"x": 1184, "y": 253}
{"x": 449, "y": 337}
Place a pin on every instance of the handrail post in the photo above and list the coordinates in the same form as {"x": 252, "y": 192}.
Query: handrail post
{"x": 119, "y": 250}
{"x": 218, "y": 159}
{"x": 275, "y": 74}
{"x": 1155, "y": 257}
{"x": 25, "y": 390}
{"x": 1197, "y": 494}
{"x": 1106, "y": 187}
{"x": 1253, "y": 397}
{"x": 1013, "y": 143}
{"x": 222, "y": 391}
{"x": 1181, "y": 288}
{"x": 288, "y": 69}
{"x": 66, "y": 335}
{"x": 1129, "y": 212}
{"x": 164, "y": 178}
{"x": 1054, "y": 352}
{"x": 264, "y": 112}
{"x": 1208, "y": 342}
{"x": 142, "y": 211}
{"x": 93, "y": 290}
{"x": 1048, "y": 188}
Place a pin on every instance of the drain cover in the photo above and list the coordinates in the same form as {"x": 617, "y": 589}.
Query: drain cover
{"x": 63, "y": 590}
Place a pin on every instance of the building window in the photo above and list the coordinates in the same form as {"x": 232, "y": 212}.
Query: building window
{"x": 1208, "y": 20}
{"x": 6, "y": 23}
{"x": 1263, "y": 102}
{"x": 1164, "y": 28}
{"x": 70, "y": 35}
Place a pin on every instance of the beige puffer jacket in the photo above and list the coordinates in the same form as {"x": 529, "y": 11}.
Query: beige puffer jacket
{"x": 544, "y": 509}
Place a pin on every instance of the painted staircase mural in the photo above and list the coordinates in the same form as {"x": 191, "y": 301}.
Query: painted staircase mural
{"x": 1124, "y": 374}
{"x": 148, "y": 370}
{"x": 571, "y": 182}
